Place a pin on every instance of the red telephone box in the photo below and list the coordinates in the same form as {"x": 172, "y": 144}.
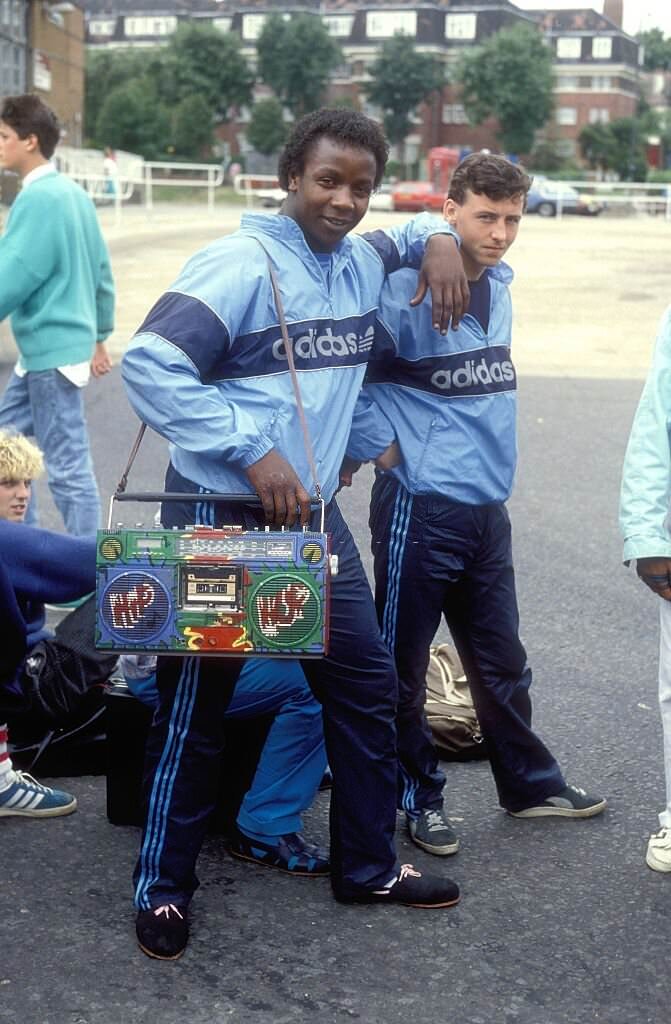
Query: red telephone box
{"x": 441, "y": 162}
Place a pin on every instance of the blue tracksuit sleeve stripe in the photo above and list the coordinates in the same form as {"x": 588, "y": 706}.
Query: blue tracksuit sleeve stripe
{"x": 404, "y": 244}
{"x": 192, "y": 326}
{"x": 167, "y": 393}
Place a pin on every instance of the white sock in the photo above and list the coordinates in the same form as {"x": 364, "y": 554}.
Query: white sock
{"x": 7, "y": 773}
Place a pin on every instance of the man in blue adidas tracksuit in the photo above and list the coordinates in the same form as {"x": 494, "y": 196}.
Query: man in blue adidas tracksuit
{"x": 440, "y": 423}
{"x": 208, "y": 371}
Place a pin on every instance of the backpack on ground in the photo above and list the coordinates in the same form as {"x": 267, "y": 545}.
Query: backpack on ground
{"x": 62, "y": 681}
{"x": 449, "y": 707}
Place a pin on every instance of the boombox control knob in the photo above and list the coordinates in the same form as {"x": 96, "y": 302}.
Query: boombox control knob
{"x": 333, "y": 564}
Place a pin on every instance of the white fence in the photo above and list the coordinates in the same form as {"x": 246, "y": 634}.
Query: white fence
{"x": 265, "y": 187}
{"x": 132, "y": 172}
{"x": 642, "y": 197}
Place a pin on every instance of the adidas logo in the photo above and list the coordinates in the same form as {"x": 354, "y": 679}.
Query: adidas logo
{"x": 473, "y": 373}
{"x": 314, "y": 345}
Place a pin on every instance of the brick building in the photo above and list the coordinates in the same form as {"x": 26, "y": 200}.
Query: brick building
{"x": 42, "y": 51}
{"x": 596, "y": 63}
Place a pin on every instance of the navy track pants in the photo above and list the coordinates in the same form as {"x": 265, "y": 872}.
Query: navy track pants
{"x": 435, "y": 557}
{"x": 356, "y": 685}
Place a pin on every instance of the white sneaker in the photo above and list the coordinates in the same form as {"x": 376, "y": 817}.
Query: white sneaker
{"x": 658, "y": 856}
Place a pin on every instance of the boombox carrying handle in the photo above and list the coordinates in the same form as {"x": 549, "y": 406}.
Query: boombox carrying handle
{"x": 121, "y": 494}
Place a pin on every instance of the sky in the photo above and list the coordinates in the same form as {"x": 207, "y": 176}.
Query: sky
{"x": 638, "y": 14}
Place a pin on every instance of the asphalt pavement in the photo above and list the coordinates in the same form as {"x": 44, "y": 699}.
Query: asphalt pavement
{"x": 560, "y": 922}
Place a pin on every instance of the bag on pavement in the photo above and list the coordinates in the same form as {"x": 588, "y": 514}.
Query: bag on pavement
{"x": 449, "y": 707}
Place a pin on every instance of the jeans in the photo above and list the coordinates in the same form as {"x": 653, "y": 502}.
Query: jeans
{"x": 47, "y": 406}
{"x": 665, "y": 701}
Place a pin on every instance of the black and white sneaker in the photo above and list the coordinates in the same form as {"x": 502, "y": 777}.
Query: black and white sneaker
{"x": 432, "y": 832}
{"x": 571, "y": 802}
{"x": 163, "y": 932}
{"x": 411, "y": 888}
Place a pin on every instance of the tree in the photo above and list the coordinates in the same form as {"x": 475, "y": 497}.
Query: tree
{"x": 266, "y": 130}
{"x": 597, "y": 145}
{"x": 192, "y": 126}
{"x": 629, "y": 158}
{"x": 509, "y": 77}
{"x": 401, "y": 79}
{"x": 105, "y": 70}
{"x": 133, "y": 118}
{"x": 657, "y": 50}
{"x": 201, "y": 60}
{"x": 296, "y": 58}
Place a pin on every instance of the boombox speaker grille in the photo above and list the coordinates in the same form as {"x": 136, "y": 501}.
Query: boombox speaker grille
{"x": 286, "y": 610}
{"x": 135, "y": 606}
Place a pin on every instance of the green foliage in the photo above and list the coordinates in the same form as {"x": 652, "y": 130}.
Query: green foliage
{"x": 629, "y": 160}
{"x": 401, "y": 79}
{"x": 657, "y": 50}
{"x": 200, "y": 59}
{"x": 192, "y": 127}
{"x": 200, "y": 69}
{"x": 105, "y": 70}
{"x": 618, "y": 146}
{"x": 266, "y": 130}
{"x": 509, "y": 77}
{"x": 296, "y": 58}
{"x": 132, "y": 118}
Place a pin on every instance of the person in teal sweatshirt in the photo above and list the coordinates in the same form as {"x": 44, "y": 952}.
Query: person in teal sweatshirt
{"x": 56, "y": 282}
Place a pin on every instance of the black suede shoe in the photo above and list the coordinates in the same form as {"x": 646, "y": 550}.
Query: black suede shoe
{"x": 163, "y": 932}
{"x": 411, "y": 888}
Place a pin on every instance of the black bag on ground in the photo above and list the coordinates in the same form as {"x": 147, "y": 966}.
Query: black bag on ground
{"x": 449, "y": 707}
{"x": 62, "y": 681}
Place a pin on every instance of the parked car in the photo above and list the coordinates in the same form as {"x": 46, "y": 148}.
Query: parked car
{"x": 546, "y": 197}
{"x": 415, "y": 196}
{"x": 381, "y": 199}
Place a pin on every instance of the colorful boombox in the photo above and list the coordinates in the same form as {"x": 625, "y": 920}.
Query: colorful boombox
{"x": 202, "y": 590}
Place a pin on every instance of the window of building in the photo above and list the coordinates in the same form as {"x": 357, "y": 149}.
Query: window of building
{"x": 385, "y": 24}
{"x": 568, "y": 82}
{"x": 602, "y": 47}
{"x": 569, "y": 47}
{"x": 12, "y": 68}
{"x": 460, "y": 26}
{"x": 152, "y": 26}
{"x": 601, "y": 82}
{"x": 454, "y": 113}
{"x": 252, "y": 25}
{"x": 567, "y": 115}
{"x": 339, "y": 25}
{"x": 599, "y": 115}
{"x": 102, "y": 26}
{"x": 222, "y": 24}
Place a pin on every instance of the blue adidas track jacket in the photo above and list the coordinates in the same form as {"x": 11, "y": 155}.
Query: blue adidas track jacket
{"x": 449, "y": 401}
{"x": 207, "y": 368}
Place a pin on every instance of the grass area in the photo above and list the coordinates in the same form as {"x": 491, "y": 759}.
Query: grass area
{"x": 195, "y": 194}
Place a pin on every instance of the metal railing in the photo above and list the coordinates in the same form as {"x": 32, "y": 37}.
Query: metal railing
{"x": 641, "y": 196}
{"x": 86, "y": 167}
{"x": 265, "y": 187}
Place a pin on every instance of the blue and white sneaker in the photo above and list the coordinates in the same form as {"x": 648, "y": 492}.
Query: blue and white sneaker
{"x": 292, "y": 853}
{"x": 30, "y": 799}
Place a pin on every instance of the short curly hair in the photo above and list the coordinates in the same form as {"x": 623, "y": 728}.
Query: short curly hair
{"x": 20, "y": 459}
{"x": 345, "y": 127}
{"x": 488, "y": 174}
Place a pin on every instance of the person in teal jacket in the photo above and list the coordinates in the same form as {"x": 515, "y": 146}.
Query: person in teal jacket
{"x": 56, "y": 282}
{"x": 644, "y": 510}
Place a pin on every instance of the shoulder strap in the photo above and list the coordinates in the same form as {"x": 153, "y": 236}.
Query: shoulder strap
{"x": 288, "y": 348}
